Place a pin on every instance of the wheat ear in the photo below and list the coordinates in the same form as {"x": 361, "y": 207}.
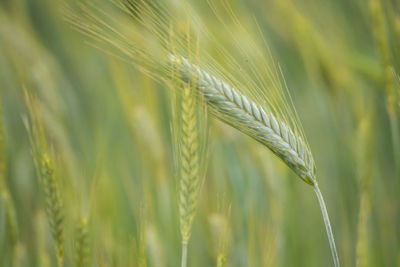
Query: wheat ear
{"x": 47, "y": 180}
{"x": 9, "y": 207}
{"x": 235, "y": 109}
{"x": 189, "y": 182}
{"x": 53, "y": 204}
{"x": 81, "y": 243}
{"x": 11, "y": 224}
{"x": 223, "y": 242}
{"x": 383, "y": 46}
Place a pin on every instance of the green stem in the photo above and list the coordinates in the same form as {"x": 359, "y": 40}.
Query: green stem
{"x": 395, "y": 141}
{"x": 327, "y": 225}
{"x": 184, "y": 254}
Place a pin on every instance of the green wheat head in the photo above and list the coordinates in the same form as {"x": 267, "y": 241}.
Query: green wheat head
{"x": 189, "y": 182}
{"x": 9, "y": 207}
{"x": 48, "y": 183}
{"x": 81, "y": 243}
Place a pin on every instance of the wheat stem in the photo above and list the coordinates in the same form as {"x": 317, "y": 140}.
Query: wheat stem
{"x": 362, "y": 239}
{"x": 184, "y": 254}
{"x": 327, "y": 225}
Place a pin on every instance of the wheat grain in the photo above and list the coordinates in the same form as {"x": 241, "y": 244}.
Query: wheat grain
{"x": 249, "y": 117}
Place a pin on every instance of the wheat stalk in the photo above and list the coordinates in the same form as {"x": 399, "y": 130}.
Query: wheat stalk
{"x": 189, "y": 182}
{"x": 328, "y": 227}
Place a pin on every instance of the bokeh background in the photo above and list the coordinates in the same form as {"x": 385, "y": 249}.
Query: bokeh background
{"x": 109, "y": 130}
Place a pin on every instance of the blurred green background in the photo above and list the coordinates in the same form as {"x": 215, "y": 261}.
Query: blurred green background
{"x": 109, "y": 130}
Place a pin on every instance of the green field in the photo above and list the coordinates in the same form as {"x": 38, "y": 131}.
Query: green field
{"x": 105, "y": 158}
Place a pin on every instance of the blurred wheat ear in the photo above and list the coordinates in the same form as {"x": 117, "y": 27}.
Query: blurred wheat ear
{"x": 189, "y": 184}
{"x": 223, "y": 242}
{"x": 9, "y": 207}
{"x": 382, "y": 39}
{"x": 189, "y": 149}
{"x": 48, "y": 183}
{"x": 81, "y": 243}
{"x": 365, "y": 169}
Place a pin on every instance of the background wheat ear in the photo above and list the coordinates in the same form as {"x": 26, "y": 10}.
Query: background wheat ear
{"x": 82, "y": 243}
{"x": 189, "y": 158}
{"x": 9, "y": 207}
{"x": 48, "y": 183}
{"x": 223, "y": 240}
{"x": 189, "y": 182}
{"x": 382, "y": 40}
